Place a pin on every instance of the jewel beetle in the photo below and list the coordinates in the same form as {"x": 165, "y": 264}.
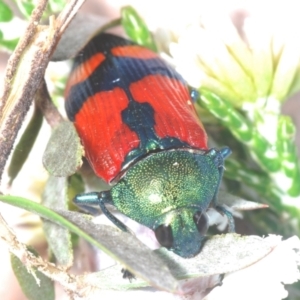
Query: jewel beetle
{"x": 141, "y": 134}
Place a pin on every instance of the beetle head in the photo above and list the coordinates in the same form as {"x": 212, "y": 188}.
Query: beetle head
{"x": 183, "y": 231}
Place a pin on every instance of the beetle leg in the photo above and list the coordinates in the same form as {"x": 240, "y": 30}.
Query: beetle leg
{"x": 88, "y": 200}
{"x": 215, "y": 197}
{"x": 127, "y": 275}
{"x": 222, "y": 210}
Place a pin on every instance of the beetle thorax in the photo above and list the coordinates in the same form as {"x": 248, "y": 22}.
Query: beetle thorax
{"x": 166, "y": 181}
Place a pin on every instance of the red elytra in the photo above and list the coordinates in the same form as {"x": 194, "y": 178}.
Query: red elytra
{"x": 126, "y": 102}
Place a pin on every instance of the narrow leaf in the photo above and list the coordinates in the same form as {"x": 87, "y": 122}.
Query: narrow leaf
{"x": 64, "y": 151}
{"x": 5, "y": 12}
{"x": 125, "y": 248}
{"x": 25, "y": 144}
{"x": 287, "y": 152}
{"x": 220, "y": 254}
{"x": 136, "y": 28}
{"x": 59, "y": 238}
{"x": 34, "y": 284}
{"x": 8, "y": 44}
{"x": 121, "y": 246}
{"x": 26, "y": 7}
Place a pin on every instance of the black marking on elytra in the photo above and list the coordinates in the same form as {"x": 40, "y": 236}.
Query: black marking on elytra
{"x": 102, "y": 43}
{"x": 113, "y": 72}
{"x": 139, "y": 117}
{"x": 121, "y": 72}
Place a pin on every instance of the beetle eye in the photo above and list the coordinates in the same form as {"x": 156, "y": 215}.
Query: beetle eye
{"x": 201, "y": 221}
{"x": 164, "y": 235}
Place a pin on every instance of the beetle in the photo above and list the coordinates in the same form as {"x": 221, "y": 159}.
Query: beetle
{"x": 141, "y": 134}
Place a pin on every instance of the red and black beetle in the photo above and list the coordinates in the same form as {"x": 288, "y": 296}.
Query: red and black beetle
{"x": 137, "y": 123}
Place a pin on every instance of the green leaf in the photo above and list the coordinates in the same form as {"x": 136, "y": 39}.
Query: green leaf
{"x": 136, "y": 28}
{"x": 228, "y": 116}
{"x": 26, "y": 7}
{"x": 125, "y": 248}
{"x": 25, "y": 144}
{"x": 260, "y": 149}
{"x": 63, "y": 154}
{"x": 6, "y": 13}
{"x": 33, "y": 290}
{"x": 258, "y": 180}
{"x": 59, "y": 238}
{"x": 287, "y": 152}
{"x": 121, "y": 246}
{"x": 264, "y": 153}
{"x": 8, "y": 44}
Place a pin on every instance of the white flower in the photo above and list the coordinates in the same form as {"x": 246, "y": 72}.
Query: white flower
{"x": 264, "y": 63}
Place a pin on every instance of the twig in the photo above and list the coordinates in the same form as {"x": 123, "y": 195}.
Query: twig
{"x": 50, "y": 112}
{"x": 25, "y": 72}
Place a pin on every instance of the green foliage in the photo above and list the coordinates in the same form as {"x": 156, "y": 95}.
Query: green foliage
{"x": 9, "y": 45}
{"x": 64, "y": 140}
{"x": 23, "y": 148}
{"x": 287, "y": 153}
{"x": 59, "y": 238}
{"x": 26, "y": 7}
{"x": 161, "y": 268}
{"x": 278, "y": 159}
{"x": 35, "y": 284}
{"x": 136, "y": 28}
{"x": 6, "y": 14}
